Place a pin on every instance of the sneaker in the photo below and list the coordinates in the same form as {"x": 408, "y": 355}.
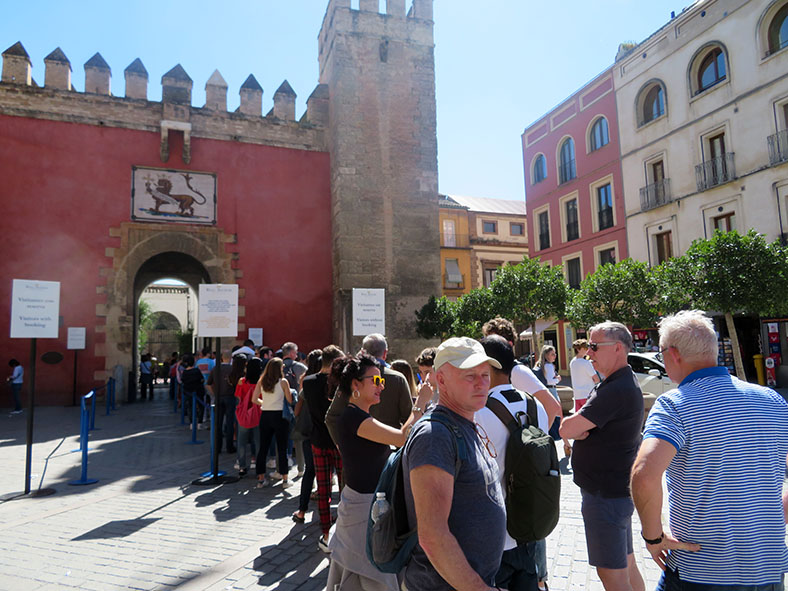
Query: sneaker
{"x": 242, "y": 472}
{"x": 276, "y": 476}
{"x": 263, "y": 483}
{"x": 323, "y": 545}
{"x": 300, "y": 474}
{"x": 237, "y": 465}
{"x": 286, "y": 484}
{"x": 16, "y": 412}
{"x": 271, "y": 463}
{"x": 253, "y": 464}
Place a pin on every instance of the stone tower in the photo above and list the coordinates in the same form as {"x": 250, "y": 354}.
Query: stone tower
{"x": 380, "y": 74}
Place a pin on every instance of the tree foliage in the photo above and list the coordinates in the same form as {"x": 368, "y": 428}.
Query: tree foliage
{"x": 145, "y": 318}
{"x": 528, "y": 291}
{"x": 624, "y": 292}
{"x": 435, "y": 318}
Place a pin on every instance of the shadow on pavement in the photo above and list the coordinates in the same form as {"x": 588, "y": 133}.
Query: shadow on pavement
{"x": 300, "y": 547}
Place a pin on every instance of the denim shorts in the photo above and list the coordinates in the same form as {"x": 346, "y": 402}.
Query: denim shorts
{"x": 671, "y": 582}
{"x": 608, "y": 525}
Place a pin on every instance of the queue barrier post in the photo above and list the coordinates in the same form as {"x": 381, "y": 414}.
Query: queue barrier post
{"x": 83, "y": 439}
{"x": 194, "y": 440}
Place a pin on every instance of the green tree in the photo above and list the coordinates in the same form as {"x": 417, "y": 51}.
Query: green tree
{"x": 624, "y": 292}
{"x": 734, "y": 273}
{"x": 145, "y": 325}
{"x": 528, "y": 291}
{"x": 472, "y": 311}
{"x": 435, "y": 318}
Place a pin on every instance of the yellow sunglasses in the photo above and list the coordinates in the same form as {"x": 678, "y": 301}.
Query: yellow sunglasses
{"x": 377, "y": 380}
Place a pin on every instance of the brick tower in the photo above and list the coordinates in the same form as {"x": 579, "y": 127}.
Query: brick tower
{"x": 380, "y": 74}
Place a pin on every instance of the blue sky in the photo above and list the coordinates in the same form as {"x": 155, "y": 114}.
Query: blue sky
{"x": 500, "y": 64}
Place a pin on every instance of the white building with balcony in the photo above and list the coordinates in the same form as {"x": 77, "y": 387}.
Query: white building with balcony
{"x": 703, "y": 117}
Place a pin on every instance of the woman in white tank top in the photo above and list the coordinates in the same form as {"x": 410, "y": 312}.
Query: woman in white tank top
{"x": 270, "y": 394}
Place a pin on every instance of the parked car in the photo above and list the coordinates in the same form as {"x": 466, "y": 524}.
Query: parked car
{"x": 651, "y": 375}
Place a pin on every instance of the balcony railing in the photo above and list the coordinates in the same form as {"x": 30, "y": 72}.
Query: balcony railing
{"x": 714, "y": 172}
{"x": 778, "y": 147}
{"x": 567, "y": 171}
{"x": 655, "y": 195}
{"x": 453, "y": 284}
{"x": 455, "y": 240}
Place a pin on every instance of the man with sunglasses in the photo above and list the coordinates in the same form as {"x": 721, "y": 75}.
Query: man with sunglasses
{"x": 723, "y": 443}
{"x": 606, "y": 431}
{"x": 455, "y": 498}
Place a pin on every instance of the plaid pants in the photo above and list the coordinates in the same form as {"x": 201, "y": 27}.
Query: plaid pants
{"x": 326, "y": 462}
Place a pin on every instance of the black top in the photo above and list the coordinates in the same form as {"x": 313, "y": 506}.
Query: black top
{"x": 602, "y": 462}
{"x": 193, "y": 381}
{"x": 317, "y": 401}
{"x": 362, "y": 460}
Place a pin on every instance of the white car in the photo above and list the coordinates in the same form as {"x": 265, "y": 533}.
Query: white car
{"x": 651, "y": 375}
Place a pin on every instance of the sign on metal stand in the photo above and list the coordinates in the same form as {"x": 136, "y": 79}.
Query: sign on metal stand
{"x": 75, "y": 341}
{"x": 217, "y": 317}
{"x": 35, "y": 306}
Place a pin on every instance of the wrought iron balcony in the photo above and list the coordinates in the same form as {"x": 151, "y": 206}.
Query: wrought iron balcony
{"x": 655, "y": 195}
{"x": 567, "y": 171}
{"x": 778, "y": 147}
{"x": 455, "y": 240}
{"x": 714, "y": 172}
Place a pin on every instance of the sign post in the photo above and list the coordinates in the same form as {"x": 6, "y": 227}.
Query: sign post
{"x": 35, "y": 306}
{"x": 217, "y": 317}
{"x": 76, "y": 341}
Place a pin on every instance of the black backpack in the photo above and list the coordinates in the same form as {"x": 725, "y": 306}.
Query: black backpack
{"x": 532, "y": 477}
{"x": 290, "y": 376}
{"x": 390, "y": 540}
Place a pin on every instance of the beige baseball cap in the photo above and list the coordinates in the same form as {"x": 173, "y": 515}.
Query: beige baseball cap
{"x": 463, "y": 353}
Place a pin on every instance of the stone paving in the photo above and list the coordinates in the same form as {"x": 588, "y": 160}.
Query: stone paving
{"x": 145, "y": 526}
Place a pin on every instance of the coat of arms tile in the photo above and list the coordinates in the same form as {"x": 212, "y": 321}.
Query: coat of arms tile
{"x": 180, "y": 196}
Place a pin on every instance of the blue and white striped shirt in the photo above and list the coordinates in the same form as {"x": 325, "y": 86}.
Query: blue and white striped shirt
{"x": 725, "y": 481}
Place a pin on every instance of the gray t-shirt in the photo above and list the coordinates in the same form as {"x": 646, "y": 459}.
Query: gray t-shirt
{"x": 477, "y": 517}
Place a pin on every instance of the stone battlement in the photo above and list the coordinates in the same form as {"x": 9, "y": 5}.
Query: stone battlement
{"x": 58, "y": 99}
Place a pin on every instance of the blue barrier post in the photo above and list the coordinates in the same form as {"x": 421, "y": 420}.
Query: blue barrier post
{"x": 194, "y": 421}
{"x": 93, "y": 412}
{"x": 108, "y": 396}
{"x": 113, "y": 393}
{"x": 83, "y": 441}
{"x": 183, "y": 403}
{"x": 175, "y": 400}
{"x": 209, "y": 473}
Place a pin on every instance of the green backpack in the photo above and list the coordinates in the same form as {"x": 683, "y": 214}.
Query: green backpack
{"x": 532, "y": 477}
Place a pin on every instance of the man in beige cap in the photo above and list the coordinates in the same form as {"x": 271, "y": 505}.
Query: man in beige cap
{"x": 452, "y": 488}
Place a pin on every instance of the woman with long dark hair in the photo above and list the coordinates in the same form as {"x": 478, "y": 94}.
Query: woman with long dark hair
{"x": 365, "y": 444}
{"x": 246, "y": 411}
{"x": 270, "y": 393}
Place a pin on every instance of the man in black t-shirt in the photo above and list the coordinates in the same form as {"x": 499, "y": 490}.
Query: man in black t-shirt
{"x": 607, "y": 434}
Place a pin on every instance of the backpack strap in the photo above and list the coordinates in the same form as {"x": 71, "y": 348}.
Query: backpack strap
{"x": 499, "y": 410}
{"x": 533, "y": 417}
{"x": 459, "y": 440}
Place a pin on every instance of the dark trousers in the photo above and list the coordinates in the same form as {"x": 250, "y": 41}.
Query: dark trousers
{"x": 146, "y": 383}
{"x": 670, "y": 581}
{"x": 518, "y": 570}
{"x": 309, "y": 475}
{"x": 225, "y": 422}
{"x": 15, "y": 391}
{"x": 273, "y": 425}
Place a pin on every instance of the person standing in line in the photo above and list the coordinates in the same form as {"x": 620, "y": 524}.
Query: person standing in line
{"x": 193, "y": 385}
{"x": 365, "y": 444}
{"x": 15, "y": 382}
{"x": 245, "y": 375}
{"x": 606, "y": 431}
{"x": 520, "y": 568}
{"x": 224, "y": 395}
{"x": 318, "y": 394}
{"x": 458, "y": 507}
{"x": 314, "y": 363}
{"x": 724, "y": 445}
{"x": 269, "y": 394}
{"x": 584, "y": 379}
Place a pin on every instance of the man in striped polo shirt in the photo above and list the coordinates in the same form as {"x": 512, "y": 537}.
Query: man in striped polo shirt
{"x": 723, "y": 443}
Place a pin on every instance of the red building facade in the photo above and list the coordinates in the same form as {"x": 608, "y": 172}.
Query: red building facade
{"x": 574, "y": 200}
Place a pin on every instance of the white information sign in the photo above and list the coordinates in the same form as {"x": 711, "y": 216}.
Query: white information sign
{"x": 256, "y": 335}
{"x": 218, "y": 310}
{"x": 369, "y": 311}
{"x": 76, "y": 337}
{"x": 35, "y": 306}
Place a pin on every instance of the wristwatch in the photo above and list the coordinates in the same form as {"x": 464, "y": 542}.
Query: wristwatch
{"x": 655, "y": 541}
{"x": 417, "y": 409}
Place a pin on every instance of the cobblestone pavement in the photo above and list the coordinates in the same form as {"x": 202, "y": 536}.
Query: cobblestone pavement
{"x": 145, "y": 526}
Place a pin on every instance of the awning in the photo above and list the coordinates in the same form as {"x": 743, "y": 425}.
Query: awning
{"x": 541, "y": 324}
{"x": 453, "y": 274}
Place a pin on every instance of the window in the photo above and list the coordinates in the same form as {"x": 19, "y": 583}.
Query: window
{"x": 573, "y": 273}
{"x": 778, "y": 31}
{"x": 566, "y": 167}
{"x": 604, "y": 200}
{"x": 516, "y": 229}
{"x": 572, "y": 222}
{"x": 489, "y": 227}
{"x": 449, "y": 234}
{"x": 599, "y": 134}
{"x": 540, "y": 170}
{"x": 488, "y": 275}
{"x": 453, "y": 275}
{"x": 725, "y": 222}
{"x": 653, "y": 104}
{"x": 711, "y": 70}
{"x": 544, "y": 230}
{"x": 663, "y": 243}
{"x": 607, "y": 256}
